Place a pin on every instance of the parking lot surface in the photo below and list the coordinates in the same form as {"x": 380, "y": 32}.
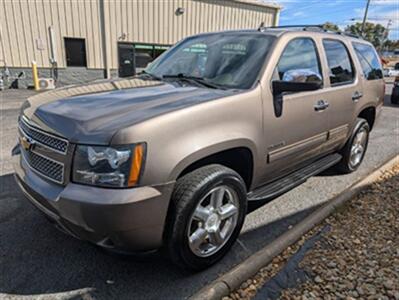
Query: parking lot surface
{"x": 36, "y": 260}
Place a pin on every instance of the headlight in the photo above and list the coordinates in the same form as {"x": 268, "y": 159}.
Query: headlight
{"x": 116, "y": 166}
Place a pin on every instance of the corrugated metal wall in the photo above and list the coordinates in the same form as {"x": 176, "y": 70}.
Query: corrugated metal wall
{"x": 24, "y": 25}
{"x": 24, "y": 30}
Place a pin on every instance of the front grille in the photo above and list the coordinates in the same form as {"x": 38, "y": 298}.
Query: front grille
{"x": 47, "y": 167}
{"x": 48, "y": 140}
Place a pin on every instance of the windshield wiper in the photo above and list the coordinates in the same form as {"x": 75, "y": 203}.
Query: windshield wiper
{"x": 150, "y": 75}
{"x": 195, "y": 79}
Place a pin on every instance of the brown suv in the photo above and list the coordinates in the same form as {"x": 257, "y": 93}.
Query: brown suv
{"x": 173, "y": 156}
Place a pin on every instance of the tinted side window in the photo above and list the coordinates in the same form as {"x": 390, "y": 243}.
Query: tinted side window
{"x": 339, "y": 62}
{"x": 299, "y": 54}
{"x": 369, "y": 60}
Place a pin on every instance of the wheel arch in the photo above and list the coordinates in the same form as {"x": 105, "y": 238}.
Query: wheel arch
{"x": 369, "y": 114}
{"x": 237, "y": 155}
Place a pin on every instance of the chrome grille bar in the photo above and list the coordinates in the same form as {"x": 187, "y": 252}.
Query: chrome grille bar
{"x": 46, "y": 139}
{"x": 45, "y": 166}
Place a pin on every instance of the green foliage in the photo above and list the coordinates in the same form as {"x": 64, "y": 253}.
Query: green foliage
{"x": 330, "y": 26}
{"x": 391, "y": 45}
{"x": 374, "y": 33}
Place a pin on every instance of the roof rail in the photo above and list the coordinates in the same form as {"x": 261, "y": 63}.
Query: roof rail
{"x": 304, "y": 27}
{"x": 319, "y": 27}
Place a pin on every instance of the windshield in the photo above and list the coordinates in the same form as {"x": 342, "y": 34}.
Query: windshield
{"x": 229, "y": 59}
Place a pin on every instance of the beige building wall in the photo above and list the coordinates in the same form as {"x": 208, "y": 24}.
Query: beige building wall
{"x": 24, "y": 33}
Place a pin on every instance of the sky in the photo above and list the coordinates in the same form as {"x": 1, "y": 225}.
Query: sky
{"x": 340, "y": 12}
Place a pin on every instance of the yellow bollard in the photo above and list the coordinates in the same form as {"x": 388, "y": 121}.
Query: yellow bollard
{"x": 35, "y": 76}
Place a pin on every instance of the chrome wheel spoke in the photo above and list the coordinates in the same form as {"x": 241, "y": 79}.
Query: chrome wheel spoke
{"x": 198, "y": 237}
{"x": 358, "y": 139}
{"x": 216, "y": 237}
{"x": 201, "y": 213}
{"x": 362, "y": 138}
{"x": 217, "y": 197}
{"x": 213, "y": 221}
{"x": 358, "y": 147}
{"x": 227, "y": 211}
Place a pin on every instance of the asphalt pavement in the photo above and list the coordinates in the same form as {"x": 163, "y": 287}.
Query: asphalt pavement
{"x": 38, "y": 261}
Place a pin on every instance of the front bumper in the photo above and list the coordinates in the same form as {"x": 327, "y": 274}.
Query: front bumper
{"x": 129, "y": 220}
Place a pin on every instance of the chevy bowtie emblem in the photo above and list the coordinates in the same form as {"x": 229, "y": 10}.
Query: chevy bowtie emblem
{"x": 27, "y": 143}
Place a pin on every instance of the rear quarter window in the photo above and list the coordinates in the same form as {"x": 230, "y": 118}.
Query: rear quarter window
{"x": 369, "y": 61}
{"x": 340, "y": 65}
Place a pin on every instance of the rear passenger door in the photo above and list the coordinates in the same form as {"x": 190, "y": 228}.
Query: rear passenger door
{"x": 371, "y": 73}
{"x": 343, "y": 91}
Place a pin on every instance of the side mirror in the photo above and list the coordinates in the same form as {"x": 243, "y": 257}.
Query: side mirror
{"x": 280, "y": 86}
{"x": 300, "y": 80}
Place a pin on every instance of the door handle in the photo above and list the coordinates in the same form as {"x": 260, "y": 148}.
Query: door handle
{"x": 321, "y": 105}
{"x": 356, "y": 96}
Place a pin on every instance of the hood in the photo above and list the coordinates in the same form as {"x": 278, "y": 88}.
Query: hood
{"x": 93, "y": 113}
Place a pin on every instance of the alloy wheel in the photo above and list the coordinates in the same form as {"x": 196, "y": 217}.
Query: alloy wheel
{"x": 213, "y": 221}
{"x": 358, "y": 147}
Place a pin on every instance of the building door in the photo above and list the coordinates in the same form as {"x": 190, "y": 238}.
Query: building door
{"x": 126, "y": 60}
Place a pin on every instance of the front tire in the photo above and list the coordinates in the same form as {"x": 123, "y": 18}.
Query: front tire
{"x": 355, "y": 148}
{"x": 208, "y": 208}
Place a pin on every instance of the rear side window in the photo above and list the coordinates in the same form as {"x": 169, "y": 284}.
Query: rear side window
{"x": 339, "y": 62}
{"x": 369, "y": 61}
{"x": 299, "y": 54}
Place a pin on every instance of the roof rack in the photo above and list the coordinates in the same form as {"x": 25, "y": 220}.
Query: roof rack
{"x": 318, "y": 27}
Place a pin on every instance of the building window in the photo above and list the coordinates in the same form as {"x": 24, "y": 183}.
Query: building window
{"x": 133, "y": 58}
{"x": 75, "y": 50}
{"x": 144, "y": 53}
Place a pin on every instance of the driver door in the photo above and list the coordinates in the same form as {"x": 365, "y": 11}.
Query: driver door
{"x": 298, "y": 131}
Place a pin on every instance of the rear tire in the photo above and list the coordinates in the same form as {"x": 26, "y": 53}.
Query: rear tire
{"x": 355, "y": 148}
{"x": 395, "y": 95}
{"x": 208, "y": 208}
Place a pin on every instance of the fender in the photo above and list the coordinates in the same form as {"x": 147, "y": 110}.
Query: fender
{"x": 210, "y": 150}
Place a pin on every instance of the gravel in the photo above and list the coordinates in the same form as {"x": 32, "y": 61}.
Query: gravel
{"x": 358, "y": 257}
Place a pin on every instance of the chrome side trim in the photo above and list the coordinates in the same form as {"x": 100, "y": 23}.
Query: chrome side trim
{"x": 339, "y": 133}
{"x": 303, "y": 145}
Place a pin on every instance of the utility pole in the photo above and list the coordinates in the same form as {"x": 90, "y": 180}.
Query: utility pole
{"x": 386, "y": 34}
{"x": 365, "y": 16}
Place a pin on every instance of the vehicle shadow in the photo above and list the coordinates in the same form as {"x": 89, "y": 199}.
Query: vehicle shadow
{"x": 35, "y": 258}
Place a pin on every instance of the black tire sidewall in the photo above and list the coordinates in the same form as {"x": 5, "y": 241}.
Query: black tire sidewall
{"x": 347, "y": 151}
{"x": 180, "y": 228}
{"x": 395, "y": 95}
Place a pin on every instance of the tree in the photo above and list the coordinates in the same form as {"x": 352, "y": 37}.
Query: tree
{"x": 391, "y": 45}
{"x": 330, "y": 26}
{"x": 374, "y": 33}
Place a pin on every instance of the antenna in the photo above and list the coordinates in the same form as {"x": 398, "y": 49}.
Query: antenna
{"x": 261, "y": 26}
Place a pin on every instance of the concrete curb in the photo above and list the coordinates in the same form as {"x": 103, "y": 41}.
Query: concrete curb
{"x": 230, "y": 281}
